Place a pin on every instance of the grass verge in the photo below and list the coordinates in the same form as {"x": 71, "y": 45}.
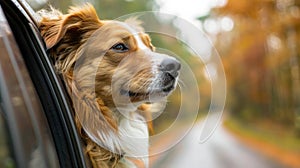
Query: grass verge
{"x": 273, "y": 141}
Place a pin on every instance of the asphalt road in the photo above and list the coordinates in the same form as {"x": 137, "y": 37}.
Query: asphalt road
{"x": 222, "y": 150}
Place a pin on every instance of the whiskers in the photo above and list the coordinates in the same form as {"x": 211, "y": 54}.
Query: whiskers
{"x": 181, "y": 84}
{"x": 138, "y": 87}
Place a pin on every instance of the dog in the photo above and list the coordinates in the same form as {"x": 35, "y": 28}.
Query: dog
{"x": 113, "y": 75}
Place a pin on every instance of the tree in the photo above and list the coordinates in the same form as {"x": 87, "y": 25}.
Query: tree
{"x": 262, "y": 59}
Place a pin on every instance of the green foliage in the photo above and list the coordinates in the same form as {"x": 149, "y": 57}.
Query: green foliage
{"x": 108, "y": 9}
{"x": 112, "y": 9}
{"x": 265, "y": 131}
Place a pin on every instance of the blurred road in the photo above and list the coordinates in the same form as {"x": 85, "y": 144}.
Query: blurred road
{"x": 222, "y": 150}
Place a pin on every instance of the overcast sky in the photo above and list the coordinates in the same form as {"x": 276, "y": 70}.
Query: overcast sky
{"x": 188, "y": 9}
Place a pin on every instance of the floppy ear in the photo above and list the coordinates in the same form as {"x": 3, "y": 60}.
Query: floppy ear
{"x": 55, "y": 26}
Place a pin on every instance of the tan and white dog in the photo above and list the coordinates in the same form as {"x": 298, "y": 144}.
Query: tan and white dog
{"x": 112, "y": 73}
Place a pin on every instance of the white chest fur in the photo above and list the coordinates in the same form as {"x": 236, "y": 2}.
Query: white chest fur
{"x": 134, "y": 137}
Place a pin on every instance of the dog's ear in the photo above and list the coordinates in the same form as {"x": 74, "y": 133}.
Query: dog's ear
{"x": 55, "y": 26}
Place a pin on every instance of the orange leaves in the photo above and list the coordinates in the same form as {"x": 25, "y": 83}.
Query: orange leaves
{"x": 260, "y": 55}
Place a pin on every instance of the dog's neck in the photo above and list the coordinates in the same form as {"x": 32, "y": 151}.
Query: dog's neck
{"x": 129, "y": 138}
{"x": 132, "y": 133}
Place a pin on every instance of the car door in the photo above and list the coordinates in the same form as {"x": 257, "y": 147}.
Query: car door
{"x": 36, "y": 120}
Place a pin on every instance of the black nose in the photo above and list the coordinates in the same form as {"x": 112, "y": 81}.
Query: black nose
{"x": 170, "y": 65}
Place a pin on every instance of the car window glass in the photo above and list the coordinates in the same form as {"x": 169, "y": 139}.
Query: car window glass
{"x": 27, "y": 127}
{"x": 6, "y": 159}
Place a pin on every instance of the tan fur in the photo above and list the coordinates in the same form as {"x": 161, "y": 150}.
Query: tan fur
{"x": 65, "y": 37}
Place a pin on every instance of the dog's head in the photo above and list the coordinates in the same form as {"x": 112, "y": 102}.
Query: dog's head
{"x": 108, "y": 65}
{"x": 119, "y": 54}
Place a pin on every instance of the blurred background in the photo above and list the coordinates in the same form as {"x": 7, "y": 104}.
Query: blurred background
{"x": 258, "y": 42}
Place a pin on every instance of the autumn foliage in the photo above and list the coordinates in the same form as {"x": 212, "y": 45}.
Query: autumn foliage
{"x": 261, "y": 57}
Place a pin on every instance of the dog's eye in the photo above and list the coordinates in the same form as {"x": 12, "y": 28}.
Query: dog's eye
{"x": 120, "y": 47}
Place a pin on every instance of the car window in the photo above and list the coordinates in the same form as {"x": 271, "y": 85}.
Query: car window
{"x": 22, "y": 120}
{"x": 6, "y": 159}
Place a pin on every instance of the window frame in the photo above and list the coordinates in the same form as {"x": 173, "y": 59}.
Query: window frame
{"x": 49, "y": 87}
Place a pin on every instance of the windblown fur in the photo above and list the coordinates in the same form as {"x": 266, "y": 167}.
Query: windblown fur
{"x": 80, "y": 36}
{"x": 53, "y": 27}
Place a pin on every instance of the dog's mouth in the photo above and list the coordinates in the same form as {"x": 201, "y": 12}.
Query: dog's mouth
{"x": 133, "y": 94}
{"x": 161, "y": 92}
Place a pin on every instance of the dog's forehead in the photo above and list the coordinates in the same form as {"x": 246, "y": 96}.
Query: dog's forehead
{"x": 133, "y": 31}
